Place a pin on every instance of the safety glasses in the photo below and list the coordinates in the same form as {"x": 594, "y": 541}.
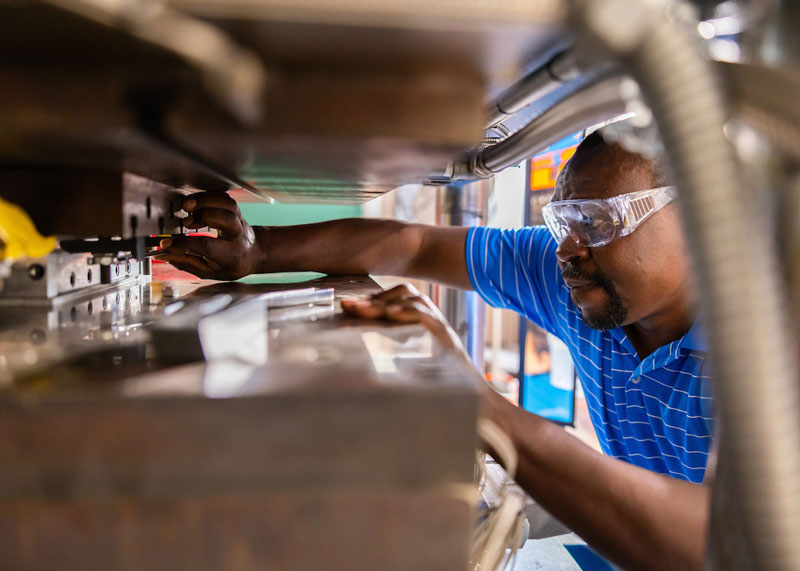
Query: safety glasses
{"x": 598, "y": 221}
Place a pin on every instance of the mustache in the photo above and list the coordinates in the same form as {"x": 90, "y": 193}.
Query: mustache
{"x": 571, "y": 271}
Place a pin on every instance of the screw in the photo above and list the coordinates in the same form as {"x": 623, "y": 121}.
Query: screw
{"x": 36, "y": 271}
{"x": 38, "y": 336}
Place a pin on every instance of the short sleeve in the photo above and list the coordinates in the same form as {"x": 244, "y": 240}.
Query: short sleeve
{"x": 516, "y": 269}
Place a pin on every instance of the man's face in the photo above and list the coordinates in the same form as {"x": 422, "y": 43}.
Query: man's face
{"x": 633, "y": 277}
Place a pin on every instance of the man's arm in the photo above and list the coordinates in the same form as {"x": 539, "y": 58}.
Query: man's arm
{"x": 351, "y": 246}
{"x": 637, "y": 518}
{"x": 368, "y": 246}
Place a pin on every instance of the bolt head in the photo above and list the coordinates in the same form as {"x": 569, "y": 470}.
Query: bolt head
{"x": 36, "y": 271}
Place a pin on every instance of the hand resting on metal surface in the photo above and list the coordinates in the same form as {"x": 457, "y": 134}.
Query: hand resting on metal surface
{"x": 404, "y": 304}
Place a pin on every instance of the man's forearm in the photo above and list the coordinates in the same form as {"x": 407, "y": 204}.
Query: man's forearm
{"x": 365, "y": 246}
{"x": 639, "y": 519}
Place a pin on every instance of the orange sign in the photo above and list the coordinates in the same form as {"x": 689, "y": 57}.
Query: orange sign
{"x": 545, "y": 168}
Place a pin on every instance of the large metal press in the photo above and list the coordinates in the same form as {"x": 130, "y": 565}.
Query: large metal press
{"x": 153, "y": 421}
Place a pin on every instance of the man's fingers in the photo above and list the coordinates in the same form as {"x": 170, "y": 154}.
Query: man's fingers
{"x": 227, "y": 222}
{"x": 201, "y": 246}
{"x": 402, "y": 296}
{"x": 363, "y": 308}
{"x": 418, "y": 312}
{"x": 375, "y": 306}
{"x": 420, "y": 302}
{"x": 200, "y": 200}
{"x": 396, "y": 293}
{"x": 405, "y": 310}
{"x": 413, "y": 309}
{"x": 409, "y": 310}
{"x": 405, "y": 313}
{"x": 188, "y": 263}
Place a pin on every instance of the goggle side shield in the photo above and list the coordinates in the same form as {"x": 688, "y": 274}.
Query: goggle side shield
{"x": 596, "y": 222}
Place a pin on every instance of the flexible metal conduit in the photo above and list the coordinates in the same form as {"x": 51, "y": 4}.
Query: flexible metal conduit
{"x": 755, "y": 374}
{"x": 596, "y": 101}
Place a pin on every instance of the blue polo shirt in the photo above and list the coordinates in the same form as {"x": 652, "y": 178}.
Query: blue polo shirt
{"x": 653, "y": 412}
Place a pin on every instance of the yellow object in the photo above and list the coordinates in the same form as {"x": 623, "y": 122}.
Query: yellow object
{"x": 19, "y": 237}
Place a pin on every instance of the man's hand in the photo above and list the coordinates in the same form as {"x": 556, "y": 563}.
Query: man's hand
{"x": 349, "y": 246}
{"x": 235, "y": 253}
{"x": 404, "y": 304}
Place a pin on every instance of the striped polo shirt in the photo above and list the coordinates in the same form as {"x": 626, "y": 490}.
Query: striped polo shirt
{"x": 653, "y": 412}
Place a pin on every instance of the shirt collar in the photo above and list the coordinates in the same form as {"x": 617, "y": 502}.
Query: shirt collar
{"x": 694, "y": 340}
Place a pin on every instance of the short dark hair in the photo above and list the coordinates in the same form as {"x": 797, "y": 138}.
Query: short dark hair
{"x": 595, "y": 143}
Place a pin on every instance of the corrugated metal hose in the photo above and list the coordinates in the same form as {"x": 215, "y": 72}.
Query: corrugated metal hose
{"x": 755, "y": 369}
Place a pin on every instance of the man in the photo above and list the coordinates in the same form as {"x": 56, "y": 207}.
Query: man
{"x": 610, "y": 278}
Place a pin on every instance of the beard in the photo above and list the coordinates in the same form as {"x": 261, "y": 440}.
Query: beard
{"x": 613, "y": 314}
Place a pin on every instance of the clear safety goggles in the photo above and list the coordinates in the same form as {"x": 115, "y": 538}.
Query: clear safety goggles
{"x": 598, "y": 221}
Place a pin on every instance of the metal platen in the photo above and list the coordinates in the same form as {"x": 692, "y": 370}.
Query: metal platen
{"x": 300, "y": 101}
{"x": 296, "y": 457}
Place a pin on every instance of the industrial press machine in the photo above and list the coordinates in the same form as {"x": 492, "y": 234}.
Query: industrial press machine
{"x": 150, "y": 420}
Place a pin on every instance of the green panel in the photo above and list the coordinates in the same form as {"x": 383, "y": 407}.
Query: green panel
{"x": 259, "y": 214}
{"x": 281, "y": 278}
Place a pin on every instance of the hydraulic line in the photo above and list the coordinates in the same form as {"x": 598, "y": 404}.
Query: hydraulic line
{"x": 560, "y": 69}
{"x": 592, "y": 101}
